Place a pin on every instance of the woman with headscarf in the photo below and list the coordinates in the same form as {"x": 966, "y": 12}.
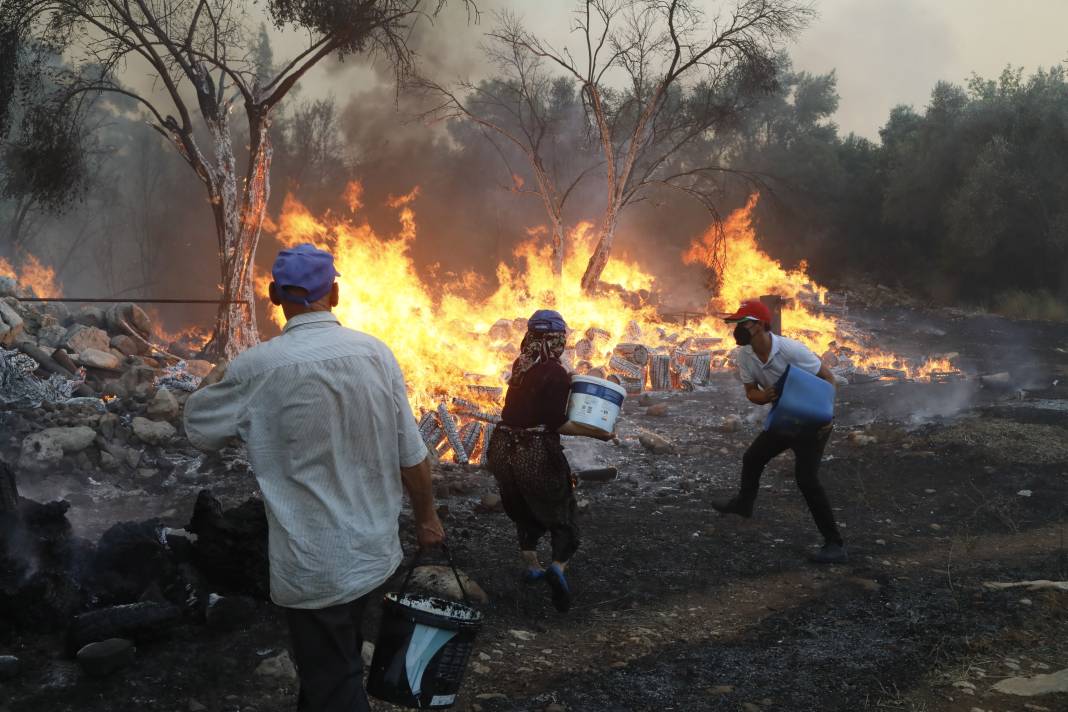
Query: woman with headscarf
{"x": 527, "y": 459}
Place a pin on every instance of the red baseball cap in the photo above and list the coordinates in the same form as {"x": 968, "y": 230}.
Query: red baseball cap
{"x": 750, "y": 310}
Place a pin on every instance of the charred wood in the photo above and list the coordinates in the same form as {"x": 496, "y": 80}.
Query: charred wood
{"x": 137, "y": 621}
{"x": 231, "y": 545}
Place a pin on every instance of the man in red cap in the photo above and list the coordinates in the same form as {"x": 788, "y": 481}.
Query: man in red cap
{"x": 762, "y": 358}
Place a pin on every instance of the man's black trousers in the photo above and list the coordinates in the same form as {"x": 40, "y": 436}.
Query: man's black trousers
{"x": 808, "y": 450}
{"x": 327, "y": 649}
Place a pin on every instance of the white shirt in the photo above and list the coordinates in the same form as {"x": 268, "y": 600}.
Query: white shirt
{"x": 325, "y": 414}
{"x": 784, "y": 352}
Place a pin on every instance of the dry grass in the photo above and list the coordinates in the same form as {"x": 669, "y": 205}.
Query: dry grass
{"x": 1008, "y": 441}
{"x": 1040, "y": 305}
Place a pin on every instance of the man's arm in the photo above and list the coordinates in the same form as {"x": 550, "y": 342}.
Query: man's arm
{"x": 825, "y": 374}
{"x": 421, "y": 491}
{"x": 758, "y": 395}
{"x": 213, "y": 412}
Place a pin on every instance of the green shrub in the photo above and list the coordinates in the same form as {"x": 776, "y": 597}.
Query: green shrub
{"x": 1040, "y": 305}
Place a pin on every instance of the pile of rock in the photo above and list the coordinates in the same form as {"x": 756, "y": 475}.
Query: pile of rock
{"x": 85, "y": 389}
{"x": 108, "y": 350}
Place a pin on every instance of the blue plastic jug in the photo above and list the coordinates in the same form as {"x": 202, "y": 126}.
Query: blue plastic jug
{"x": 805, "y": 401}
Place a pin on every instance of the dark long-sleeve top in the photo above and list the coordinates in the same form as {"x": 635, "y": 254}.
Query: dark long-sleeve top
{"x": 539, "y": 399}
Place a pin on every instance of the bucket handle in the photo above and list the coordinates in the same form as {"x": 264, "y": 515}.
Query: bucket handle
{"x": 452, "y": 565}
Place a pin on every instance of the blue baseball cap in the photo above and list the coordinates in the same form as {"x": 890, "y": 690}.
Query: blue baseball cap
{"x": 307, "y": 267}
{"x": 546, "y": 320}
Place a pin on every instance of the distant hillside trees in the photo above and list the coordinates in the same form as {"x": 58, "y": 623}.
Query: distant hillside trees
{"x": 966, "y": 200}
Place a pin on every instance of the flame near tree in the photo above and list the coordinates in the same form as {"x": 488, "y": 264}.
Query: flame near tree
{"x": 203, "y": 62}
{"x": 33, "y": 275}
{"x": 442, "y": 335}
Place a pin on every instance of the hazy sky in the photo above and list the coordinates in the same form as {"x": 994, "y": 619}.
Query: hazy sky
{"x": 885, "y": 52}
{"x": 889, "y": 52}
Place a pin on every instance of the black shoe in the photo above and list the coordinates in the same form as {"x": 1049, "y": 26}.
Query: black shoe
{"x": 733, "y": 506}
{"x": 561, "y": 592}
{"x": 830, "y": 554}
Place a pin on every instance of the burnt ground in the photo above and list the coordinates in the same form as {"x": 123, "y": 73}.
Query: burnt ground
{"x": 939, "y": 488}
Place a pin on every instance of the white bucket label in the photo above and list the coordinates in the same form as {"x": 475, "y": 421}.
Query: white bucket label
{"x": 442, "y": 700}
{"x": 425, "y": 642}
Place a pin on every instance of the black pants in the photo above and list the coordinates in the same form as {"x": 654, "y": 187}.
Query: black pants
{"x": 327, "y": 649}
{"x": 534, "y": 480}
{"x": 533, "y": 518}
{"x": 808, "y": 450}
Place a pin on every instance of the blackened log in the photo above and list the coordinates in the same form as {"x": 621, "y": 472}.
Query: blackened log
{"x": 41, "y": 567}
{"x": 41, "y": 356}
{"x": 231, "y": 545}
{"x": 60, "y": 356}
{"x": 139, "y": 622}
{"x": 131, "y": 557}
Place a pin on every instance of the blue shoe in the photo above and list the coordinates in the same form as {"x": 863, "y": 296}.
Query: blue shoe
{"x": 532, "y": 575}
{"x": 561, "y": 592}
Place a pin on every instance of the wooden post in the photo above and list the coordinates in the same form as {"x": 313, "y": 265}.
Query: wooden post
{"x": 774, "y": 303}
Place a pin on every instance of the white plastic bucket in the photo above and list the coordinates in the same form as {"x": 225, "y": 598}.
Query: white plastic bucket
{"x": 595, "y": 402}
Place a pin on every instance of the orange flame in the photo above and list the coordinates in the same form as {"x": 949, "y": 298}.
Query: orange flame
{"x": 441, "y": 332}
{"x": 33, "y": 275}
{"x": 748, "y": 272}
{"x": 449, "y": 336}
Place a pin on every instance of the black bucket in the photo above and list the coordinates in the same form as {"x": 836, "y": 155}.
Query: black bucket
{"x": 423, "y": 647}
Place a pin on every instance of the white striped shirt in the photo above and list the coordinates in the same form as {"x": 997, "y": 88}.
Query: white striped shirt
{"x": 784, "y": 352}
{"x": 325, "y": 415}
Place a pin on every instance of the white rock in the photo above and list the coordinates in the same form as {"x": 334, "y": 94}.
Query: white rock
{"x": 520, "y": 634}
{"x": 367, "y": 652}
{"x": 440, "y": 581}
{"x": 655, "y": 443}
{"x": 43, "y": 450}
{"x": 50, "y": 336}
{"x": 95, "y": 358}
{"x": 153, "y": 432}
{"x": 279, "y": 668}
{"x": 90, "y": 316}
{"x": 164, "y": 406}
{"x": 9, "y": 287}
{"x": 39, "y": 453}
{"x": 132, "y": 314}
{"x": 1024, "y": 493}
{"x": 1033, "y": 686}
{"x": 80, "y": 337}
{"x": 11, "y": 325}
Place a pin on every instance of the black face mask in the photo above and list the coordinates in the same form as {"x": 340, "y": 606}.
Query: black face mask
{"x": 741, "y": 335}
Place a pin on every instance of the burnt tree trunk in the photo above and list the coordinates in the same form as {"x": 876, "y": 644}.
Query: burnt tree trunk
{"x": 239, "y": 211}
{"x": 557, "y": 253}
{"x": 602, "y": 252}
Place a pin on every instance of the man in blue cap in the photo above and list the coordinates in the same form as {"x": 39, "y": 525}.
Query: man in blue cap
{"x": 331, "y": 438}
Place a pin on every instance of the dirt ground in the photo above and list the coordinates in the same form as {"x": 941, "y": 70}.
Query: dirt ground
{"x": 939, "y": 488}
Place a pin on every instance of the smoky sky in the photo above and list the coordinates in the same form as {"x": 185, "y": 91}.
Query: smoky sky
{"x": 884, "y": 52}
